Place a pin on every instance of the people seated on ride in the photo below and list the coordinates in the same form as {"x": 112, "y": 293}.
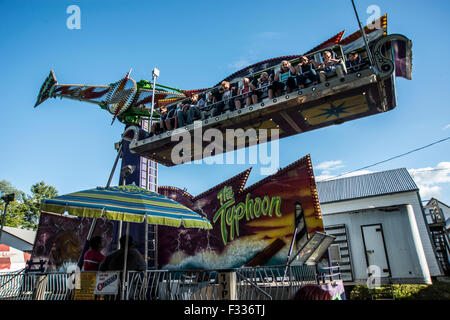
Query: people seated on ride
{"x": 245, "y": 94}
{"x": 224, "y": 97}
{"x": 329, "y": 67}
{"x": 201, "y": 101}
{"x": 208, "y": 108}
{"x": 163, "y": 123}
{"x": 306, "y": 71}
{"x": 264, "y": 87}
{"x": 171, "y": 120}
{"x": 196, "y": 104}
{"x": 253, "y": 83}
{"x": 174, "y": 115}
{"x": 188, "y": 111}
{"x": 284, "y": 78}
{"x": 353, "y": 62}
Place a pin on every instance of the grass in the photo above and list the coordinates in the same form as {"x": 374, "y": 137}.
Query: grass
{"x": 437, "y": 291}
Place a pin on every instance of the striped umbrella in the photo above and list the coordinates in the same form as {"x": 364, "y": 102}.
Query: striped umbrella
{"x": 126, "y": 203}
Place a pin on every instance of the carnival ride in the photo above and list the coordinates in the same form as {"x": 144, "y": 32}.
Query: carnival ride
{"x": 124, "y": 99}
{"x": 365, "y": 89}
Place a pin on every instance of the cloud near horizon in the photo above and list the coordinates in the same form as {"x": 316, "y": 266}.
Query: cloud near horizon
{"x": 325, "y": 176}
{"x": 330, "y": 165}
{"x": 430, "y": 179}
{"x": 326, "y": 168}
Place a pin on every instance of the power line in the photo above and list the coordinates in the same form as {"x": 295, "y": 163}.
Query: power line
{"x": 392, "y": 158}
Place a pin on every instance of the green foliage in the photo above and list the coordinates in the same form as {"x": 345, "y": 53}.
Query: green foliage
{"x": 6, "y": 188}
{"x": 39, "y": 191}
{"x": 24, "y": 212}
{"x": 15, "y": 208}
{"x": 437, "y": 291}
{"x": 144, "y": 84}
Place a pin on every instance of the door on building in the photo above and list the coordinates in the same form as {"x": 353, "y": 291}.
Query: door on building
{"x": 375, "y": 250}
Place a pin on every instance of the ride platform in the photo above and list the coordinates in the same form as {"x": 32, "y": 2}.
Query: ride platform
{"x": 359, "y": 94}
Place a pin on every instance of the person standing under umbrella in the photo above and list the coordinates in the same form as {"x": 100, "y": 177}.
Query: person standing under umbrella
{"x": 115, "y": 261}
{"x": 93, "y": 257}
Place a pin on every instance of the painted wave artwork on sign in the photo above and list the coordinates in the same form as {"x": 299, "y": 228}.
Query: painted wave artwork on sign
{"x": 251, "y": 226}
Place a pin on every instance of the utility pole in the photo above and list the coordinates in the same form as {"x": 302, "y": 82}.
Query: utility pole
{"x": 363, "y": 34}
{"x": 155, "y": 74}
{"x": 7, "y": 198}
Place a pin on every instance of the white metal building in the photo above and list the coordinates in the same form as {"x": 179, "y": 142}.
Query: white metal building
{"x": 21, "y": 239}
{"x": 378, "y": 219}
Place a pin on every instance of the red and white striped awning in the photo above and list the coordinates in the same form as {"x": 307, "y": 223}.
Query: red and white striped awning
{"x": 12, "y": 259}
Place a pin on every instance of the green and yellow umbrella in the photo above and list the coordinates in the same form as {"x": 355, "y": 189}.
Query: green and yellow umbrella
{"x": 126, "y": 203}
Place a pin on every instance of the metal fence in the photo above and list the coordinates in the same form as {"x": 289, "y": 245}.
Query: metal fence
{"x": 172, "y": 285}
{"x": 273, "y": 283}
{"x": 30, "y": 286}
{"x": 263, "y": 283}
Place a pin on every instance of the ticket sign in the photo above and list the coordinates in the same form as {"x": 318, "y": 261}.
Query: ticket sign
{"x": 107, "y": 283}
{"x": 85, "y": 290}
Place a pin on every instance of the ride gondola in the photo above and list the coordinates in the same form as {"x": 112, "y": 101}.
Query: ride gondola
{"x": 363, "y": 89}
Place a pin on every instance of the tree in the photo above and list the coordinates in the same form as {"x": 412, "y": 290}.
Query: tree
{"x": 24, "y": 211}
{"x": 39, "y": 191}
{"x": 14, "y": 216}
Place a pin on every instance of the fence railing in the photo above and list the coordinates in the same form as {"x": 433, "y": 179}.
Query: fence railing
{"x": 274, "y": 282}
{"x": 31, "y": 286}
{"x": 262, "y": 283}
{"x": 172, "y": 285}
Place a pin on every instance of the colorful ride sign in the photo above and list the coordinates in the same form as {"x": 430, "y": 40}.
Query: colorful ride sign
{"x": 251, "y": 226}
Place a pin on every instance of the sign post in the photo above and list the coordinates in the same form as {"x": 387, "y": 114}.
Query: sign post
{"x": 227, "y": 285}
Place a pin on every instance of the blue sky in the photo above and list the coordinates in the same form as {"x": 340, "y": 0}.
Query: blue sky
{"x": 195, "y": 44}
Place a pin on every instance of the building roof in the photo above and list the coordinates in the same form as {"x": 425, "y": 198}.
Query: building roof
{"x": 23, "y": 234}
{"x": 440, "y": 202}
{"x": 367, "y": 185}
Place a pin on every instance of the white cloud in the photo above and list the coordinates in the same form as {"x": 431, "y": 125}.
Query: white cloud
{"x": 447, "y": 127}
{"x": 324, "y": 176}
{"x": 431, "y": 176}
{"x": 325, "y": 169}
{"x": 356, "y": 173}
{"x": 429, "y": 192}
{"x": 330, "y": 165}
{"x": 429, "y": 179}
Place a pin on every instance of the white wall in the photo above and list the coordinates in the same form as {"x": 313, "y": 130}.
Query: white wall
{"x": 337, "y": 213}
